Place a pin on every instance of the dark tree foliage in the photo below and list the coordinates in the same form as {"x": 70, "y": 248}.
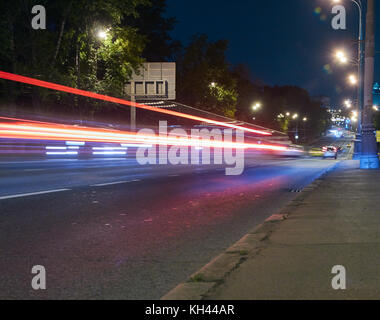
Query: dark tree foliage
{"x": 249, "y": 93}
{"x": 278, "y": 101}
{"x": 69, "y": 51}
{"x": 152, "y": 23}
{"x": 205, "y": 80}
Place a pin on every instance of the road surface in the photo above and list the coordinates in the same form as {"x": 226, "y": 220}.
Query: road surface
{"x": 111, "y": 229}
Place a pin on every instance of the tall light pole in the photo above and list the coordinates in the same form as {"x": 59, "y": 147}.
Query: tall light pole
{"x": 358, "y": 142}
{"x": 369, "y": 157}
{"x": 343, "y": 59}
{"x": 358, "y": 146}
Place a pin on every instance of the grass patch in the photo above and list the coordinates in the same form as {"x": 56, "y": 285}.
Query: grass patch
{"x": 197, "y": 278}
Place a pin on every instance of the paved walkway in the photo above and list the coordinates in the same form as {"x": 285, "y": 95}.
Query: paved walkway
{"x": 336, "y": 221}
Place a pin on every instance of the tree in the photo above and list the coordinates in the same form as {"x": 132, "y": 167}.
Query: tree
{"x": 249, "y": 93}
{"x": 155, "y": 27}
{"x": 69, "y": 51}
{"x": 205, "y": 80}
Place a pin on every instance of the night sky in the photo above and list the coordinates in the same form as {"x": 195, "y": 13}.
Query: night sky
{"x": 284, "y": 42}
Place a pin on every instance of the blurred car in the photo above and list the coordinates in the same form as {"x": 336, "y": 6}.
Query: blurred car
{"x": 330, "y": 152}
{"x": 315, "y": 152}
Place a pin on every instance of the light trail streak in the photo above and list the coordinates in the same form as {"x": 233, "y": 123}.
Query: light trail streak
{"x": 69, "y": 153}
{"x": 58, "y": 132}
{"x": 53, "y": 86}
{"x": 109, "y": 153}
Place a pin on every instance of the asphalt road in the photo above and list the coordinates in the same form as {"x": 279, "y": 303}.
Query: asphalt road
{"x": 111, "y": 229}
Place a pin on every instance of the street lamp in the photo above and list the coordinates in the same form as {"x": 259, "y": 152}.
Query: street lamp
{"x": 256, "y": 106}
{"x": 102, "y": 34}
{"x": 341, "y": 56}
{"x": 304, "y": 119}
{"x": 295, "y": 116}
{"x": 348, "y": 103}
{"x": 352, "y": 79}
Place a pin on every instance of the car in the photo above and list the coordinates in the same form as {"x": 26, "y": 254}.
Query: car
{"x": 315, "y": 152}
{"x": 330, "y": 152}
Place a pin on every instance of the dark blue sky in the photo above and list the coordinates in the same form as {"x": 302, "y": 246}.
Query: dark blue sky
{"x": 285, "y": 42}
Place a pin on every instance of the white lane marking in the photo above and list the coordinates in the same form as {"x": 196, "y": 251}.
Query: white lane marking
{"x": 31, "y": 194}
{"x": 173, "y": 175}
{"x": 112, "y": 183}
{"x": 33, "y": 170}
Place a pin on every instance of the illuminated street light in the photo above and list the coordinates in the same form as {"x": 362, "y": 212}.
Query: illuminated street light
{"x": 212, "y": 84}
{"x": 376, "y": 108}
{"x": 102, "y": 34}
{"x": 354, "y": 117}
{"x": 256, "y": 106}
{"x": 341, "y": 56}
{"x": 348, "y": 103}
{"x": 288, "y": 114}
{"x": 352, "y": 79}
{"x": 304, "y": 119}
{"x": 295, "y": 116}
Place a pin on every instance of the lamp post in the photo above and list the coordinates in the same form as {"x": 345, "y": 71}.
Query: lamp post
{"x": 369, "y": 157}
{"x": 358, "y": 142}
{"x": 343, "y": 59}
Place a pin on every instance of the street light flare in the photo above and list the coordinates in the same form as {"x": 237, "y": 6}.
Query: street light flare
{"x": 256, "y": 106}
{"x": 102, "y": 34}
{"x": 348, "y": 103}
{"x": 342, "y": 57}
{"x": 352, "y": 79}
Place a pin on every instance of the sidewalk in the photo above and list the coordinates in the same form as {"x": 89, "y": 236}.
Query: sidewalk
{"x": 334, "y": 221}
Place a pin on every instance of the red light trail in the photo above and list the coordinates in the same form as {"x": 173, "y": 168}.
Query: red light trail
{"x": 53, "y": 86}
{"x": 50, "y": 131}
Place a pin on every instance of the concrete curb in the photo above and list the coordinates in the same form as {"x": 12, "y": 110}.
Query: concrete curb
{"x": 205, "y": 280}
